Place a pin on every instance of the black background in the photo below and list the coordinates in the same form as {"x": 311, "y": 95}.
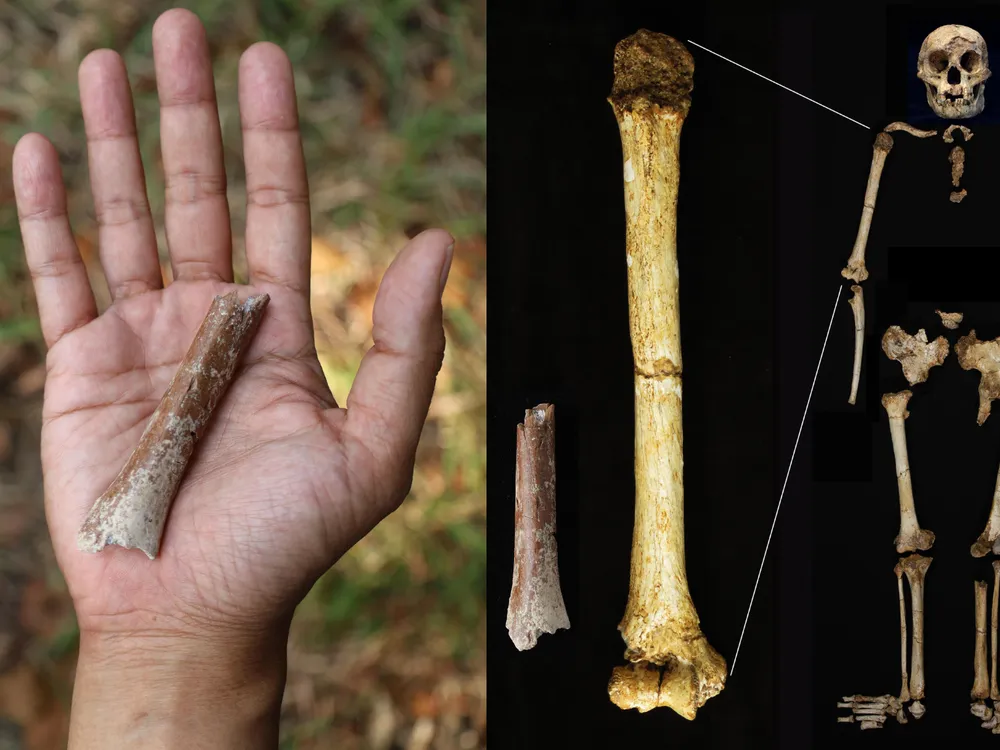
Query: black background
{"x": 771, "y": 193}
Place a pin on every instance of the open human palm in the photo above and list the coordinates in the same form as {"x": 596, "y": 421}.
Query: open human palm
{"x": 283, "y": 481}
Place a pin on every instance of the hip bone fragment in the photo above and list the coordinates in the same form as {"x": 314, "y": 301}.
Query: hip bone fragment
{"x": 984, "y": 356}
{"x": 914, "y": 353}
{"x": 133, "y": 510}
{"x": 911, "y": 537}
{"x": 671, "y": 662}
{"x": 536, "y": 601}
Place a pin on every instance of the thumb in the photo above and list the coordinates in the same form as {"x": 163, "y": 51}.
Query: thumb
{"x": 388, "y": 402}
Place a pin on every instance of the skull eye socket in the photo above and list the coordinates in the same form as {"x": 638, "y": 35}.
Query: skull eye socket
{"x": 938, "y": 61}
{"x": 970, "y": 61}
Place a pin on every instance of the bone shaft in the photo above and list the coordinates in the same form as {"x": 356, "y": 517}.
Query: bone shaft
{"x": 904, "y": 692}
{"x": 133, "y": 510}
{"x": 871, "y": 194}
{"x": 858, "y": 307}
{"x": 981, "y": 686}
{"x": 907, "y": 510}
{"x": 536, "y": 602}
{"x": 994, "y": 690}
{"x": 917, "y": 642}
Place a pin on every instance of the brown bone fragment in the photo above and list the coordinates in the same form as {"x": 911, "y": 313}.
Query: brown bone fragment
{"x": 984, "y": 356}
{"x": 671, "y": 662}
{"x": 950, "y": 320}
{"x": 133, "y": 510}
{"x": 957, "y": 195}
{"x": 536, "y": 602}
{"x": 949, "y": 138}
{"x": 914, "y": 353}
{"x": 957, "y": 158}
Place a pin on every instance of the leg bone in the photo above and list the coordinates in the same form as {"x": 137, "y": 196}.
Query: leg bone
{"x": 981, "y": 684}
{"x": 911, "y": 537}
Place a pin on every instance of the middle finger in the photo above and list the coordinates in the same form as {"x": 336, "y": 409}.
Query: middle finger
{"x": 197, "y": 212}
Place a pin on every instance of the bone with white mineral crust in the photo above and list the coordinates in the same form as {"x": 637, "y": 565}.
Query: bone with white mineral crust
{"x": 911, "y": 537}
{"x": 671, "y": 662}
{"x": 914, "y": 353}
{"x": 536, "y": 602}
{"x": 984, "y": 356}
{"x": 950, "y": 320}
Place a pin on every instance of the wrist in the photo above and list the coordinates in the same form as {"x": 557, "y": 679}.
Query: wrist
{"x": 170, "y": 691}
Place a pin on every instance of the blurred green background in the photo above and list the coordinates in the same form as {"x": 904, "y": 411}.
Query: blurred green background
{"x": 388, "y": 650}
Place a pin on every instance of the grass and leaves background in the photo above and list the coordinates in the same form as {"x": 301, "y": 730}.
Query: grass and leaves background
{"x": 388, "y": 649}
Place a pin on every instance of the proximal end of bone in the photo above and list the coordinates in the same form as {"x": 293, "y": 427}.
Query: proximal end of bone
{"x": 652, "y": 69}
{"x": 536, "y": 603}
{"x": 950, "y": 320}
{"x": 133, "y": 510}
{"x": 984, "y": 356}
{"x": 916, "y": 355}
{"x": 895, "y": 404}
{"x": 681, "y": 684}
{"x": 892, "y": 127}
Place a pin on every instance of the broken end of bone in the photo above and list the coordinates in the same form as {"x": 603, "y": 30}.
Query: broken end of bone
{"x": 546, "y": 613}
{"x": 652, "y": 69}
{"x": 112, "y": 520}
{"x": 957, "y": 195}
{"x": 680, "y": 684}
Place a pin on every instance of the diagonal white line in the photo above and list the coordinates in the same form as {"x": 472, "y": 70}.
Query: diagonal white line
{"x": 780, "y": 84}
{"x": 787, "y": 473}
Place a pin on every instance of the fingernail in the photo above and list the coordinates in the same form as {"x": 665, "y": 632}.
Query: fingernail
{"x": 446, "y": 268}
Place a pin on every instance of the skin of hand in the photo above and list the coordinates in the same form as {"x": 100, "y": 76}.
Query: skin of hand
{"x": 188, "y": 650}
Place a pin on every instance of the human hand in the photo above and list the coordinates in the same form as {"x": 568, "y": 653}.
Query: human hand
{"x": 283, "y": 481}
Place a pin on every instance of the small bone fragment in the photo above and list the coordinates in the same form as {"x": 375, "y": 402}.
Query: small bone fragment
{"x": 981, "y": 683}
{"x": 917, "y": 710}
{"x": 892, "y": 127}
{"x": 133, "y": 510}
{"x": 949, "y": 138}
{"x": 901, "y": 715}
{"x": 872, "y": 723}
{"x": 845, "y": 719}
{"x": 957, "y": 158}
{"x": 990, "y": 538}
{"x": 536, "y": 602}
{"x": 914, "y": 353}
{"x": 981, "y": 711}
{"x": 957, "y": 195}
{"x": 855, "y": 269}
{"x": 994, "y": 691}
{"x": 911, "y": 537}
{"x": 653, "y": 78}
{"x": 915, "y": 567}
{"x": 950, "y": 320}
{"x": 858, "y": 306}
{"x": 904, "y": 691}
{"x": 984, "y": 356}
{"x": 991, "y": 722}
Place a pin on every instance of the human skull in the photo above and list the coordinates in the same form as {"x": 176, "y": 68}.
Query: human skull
{"x": 954, "y": 66}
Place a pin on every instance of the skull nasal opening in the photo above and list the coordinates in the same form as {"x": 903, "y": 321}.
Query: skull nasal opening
{"x": 954, "y": 76}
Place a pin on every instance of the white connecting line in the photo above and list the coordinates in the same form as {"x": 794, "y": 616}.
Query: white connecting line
{"x": 787, "y": 473}
{"x": 781, "y": 85}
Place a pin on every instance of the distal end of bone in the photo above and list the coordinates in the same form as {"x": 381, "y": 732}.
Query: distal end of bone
{"x": 914, "y": 353}
{"x": 895, "y": 404}
{"x": 855, "y": 271}
{"x": 950, "y": 320}
{"x": 681, "y": 684}
{"x": 920, "y": 540}
{"x": 917, "y": 710}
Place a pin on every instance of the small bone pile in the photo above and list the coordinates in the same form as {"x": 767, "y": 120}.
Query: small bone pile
{"x": 983, "y": 688}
